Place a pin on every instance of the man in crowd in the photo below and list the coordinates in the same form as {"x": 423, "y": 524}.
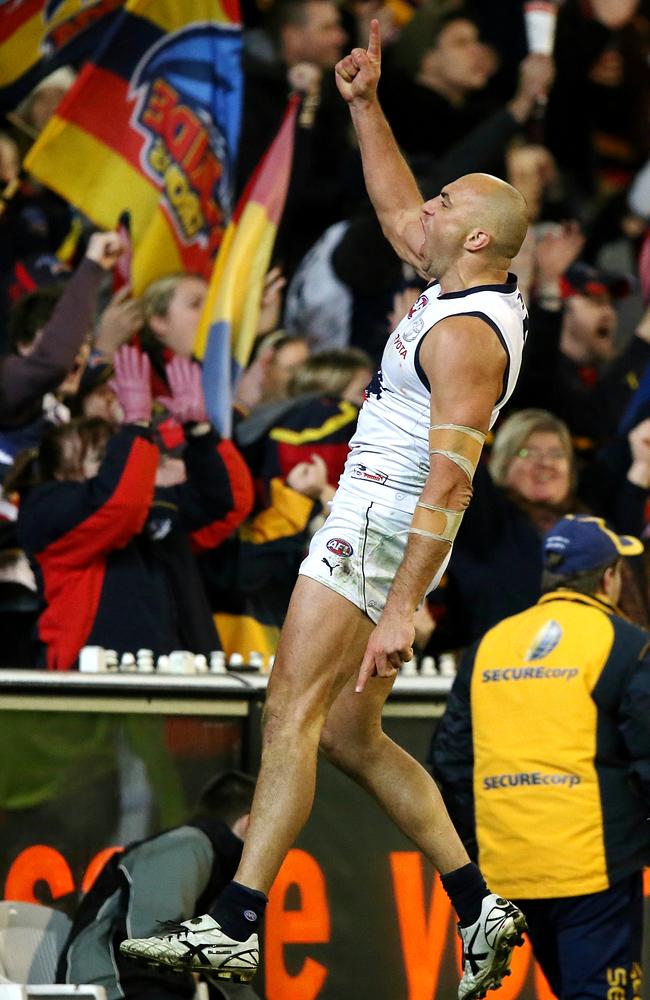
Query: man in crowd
{"x": 555, "y": 802}
{"x": 447, "y": 86}
{"x": 451, "y": 363}
{"x": 573, "y": 367}
{"x": 302, "y": 41}
{"x": 177, "y": 872}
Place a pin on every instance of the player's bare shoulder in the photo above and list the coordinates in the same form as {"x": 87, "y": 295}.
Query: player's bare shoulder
{"x": 462, "y": 354}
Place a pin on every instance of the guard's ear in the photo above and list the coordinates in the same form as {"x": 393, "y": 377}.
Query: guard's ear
{"x": 478, "y": 239}
{"x": 611, "y": 578}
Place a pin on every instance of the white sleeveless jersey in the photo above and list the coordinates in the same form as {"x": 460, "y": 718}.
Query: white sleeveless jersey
{"x": 389, "y": 457}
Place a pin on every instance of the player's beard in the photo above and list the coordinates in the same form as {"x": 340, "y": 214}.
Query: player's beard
{"x": 437, "y": 261}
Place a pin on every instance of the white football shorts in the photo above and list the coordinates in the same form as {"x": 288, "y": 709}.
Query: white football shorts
{"x": 358, "y": 551}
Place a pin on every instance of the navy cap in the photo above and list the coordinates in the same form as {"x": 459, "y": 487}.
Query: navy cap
{"x": 578, "y": 543}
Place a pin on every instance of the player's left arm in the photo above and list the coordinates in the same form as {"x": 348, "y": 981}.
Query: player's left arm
{"x": 465, "y": 364}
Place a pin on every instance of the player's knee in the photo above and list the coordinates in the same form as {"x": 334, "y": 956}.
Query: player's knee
{"x": 289, "y": 718}
{"x": 348, "y": 751}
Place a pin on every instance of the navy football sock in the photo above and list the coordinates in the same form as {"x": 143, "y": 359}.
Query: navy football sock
{"x": 466, "y": 889}
{"x": 239, "y": 911}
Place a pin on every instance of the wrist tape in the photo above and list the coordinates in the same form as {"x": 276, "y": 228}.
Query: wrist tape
{"x": 436, "y": 522}
{"x": 461, "y": 445}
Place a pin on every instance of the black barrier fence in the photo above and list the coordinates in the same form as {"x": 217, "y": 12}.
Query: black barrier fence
{"x": 355, "y": 913}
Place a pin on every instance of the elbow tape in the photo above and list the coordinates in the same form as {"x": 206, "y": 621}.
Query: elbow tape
{"x": 460, "y": 444}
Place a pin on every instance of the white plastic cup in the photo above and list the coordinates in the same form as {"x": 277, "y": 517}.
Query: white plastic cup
{"x": 428, "y": 667}
{"x": 144, "y": 661}
{"x": 181, "y": 661}
{"x": 127, "y": 663}
{"x": 92, "y": 660}
{"x": 236, "y": 660}
{"x": 255, "y": 660}
{"x": 218, "y": 662}
{"x": 447, "y": 665}
{"x": 409, "y": 668}
{"x": 540, "y": 18}
{"x": 200, "y": 664}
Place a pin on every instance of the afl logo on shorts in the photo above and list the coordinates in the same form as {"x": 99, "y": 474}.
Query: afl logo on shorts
{"x": 418, "y": 305}
{"x": 339, "y": 547}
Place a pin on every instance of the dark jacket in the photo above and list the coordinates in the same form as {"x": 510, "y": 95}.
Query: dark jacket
{"x": 174, "y": 875}
{"x": 115, "y": 554}
{"x": 24, "y": 380}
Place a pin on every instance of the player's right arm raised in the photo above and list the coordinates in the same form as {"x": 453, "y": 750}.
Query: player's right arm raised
{"x": 389, "y": 181}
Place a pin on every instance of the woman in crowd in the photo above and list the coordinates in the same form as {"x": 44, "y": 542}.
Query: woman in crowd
{"x": 112, "y": 524}
{"x": 529, "y": 482}
{"x": 171, "y": 310}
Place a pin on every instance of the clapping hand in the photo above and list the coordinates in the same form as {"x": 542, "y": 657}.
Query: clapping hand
{"x": 271, "y": 304}
{"x": 557, "y": 249}
{"x": 121, "y": 319}
{"x": 639, "y": 441}
{"x": 132, "y": 384}
{"x": 187, "y": 402}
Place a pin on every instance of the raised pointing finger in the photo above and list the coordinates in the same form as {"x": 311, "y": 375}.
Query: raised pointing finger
{"x": 374, "y": 41}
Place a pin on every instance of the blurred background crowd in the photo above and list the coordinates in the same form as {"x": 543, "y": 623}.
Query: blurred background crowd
{"x": 129, "y": 522}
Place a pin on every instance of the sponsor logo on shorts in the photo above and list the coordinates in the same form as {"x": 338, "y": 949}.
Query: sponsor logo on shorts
{"x": 522, "y": 778}
{"x": 370, "y": 476}
{"x": 250, "y": 915}
{"x": 419, "y": 304}
{"x": 339, "y": 547}
{"x": 531, "y": 674}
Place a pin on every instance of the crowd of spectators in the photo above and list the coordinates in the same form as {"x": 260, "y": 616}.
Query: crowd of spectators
{"x": 128, "y": 523}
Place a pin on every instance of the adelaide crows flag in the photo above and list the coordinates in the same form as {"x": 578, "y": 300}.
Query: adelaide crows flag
{"x": 38, "y": 36}
{"x": 151, "y": 127}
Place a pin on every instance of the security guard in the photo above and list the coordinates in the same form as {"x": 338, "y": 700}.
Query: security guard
{"x": 543, "y": 756}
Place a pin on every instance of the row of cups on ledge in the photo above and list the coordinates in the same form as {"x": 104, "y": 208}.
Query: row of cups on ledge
{"x": 97, "y": 660}
{"x": 427, "y": 666}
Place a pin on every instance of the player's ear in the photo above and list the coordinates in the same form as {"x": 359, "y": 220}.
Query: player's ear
{"x": 478, "y": 239}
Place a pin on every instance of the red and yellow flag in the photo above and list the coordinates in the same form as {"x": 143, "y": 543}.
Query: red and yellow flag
{"x": 151, "y": 127}
{"x": 226, "y": 332}
{"x": 38, "y": 36}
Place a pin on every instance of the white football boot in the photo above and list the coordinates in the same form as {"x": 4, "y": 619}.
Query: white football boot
{"x": 196, "y": 945}
{"x": 487, "y": 946}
